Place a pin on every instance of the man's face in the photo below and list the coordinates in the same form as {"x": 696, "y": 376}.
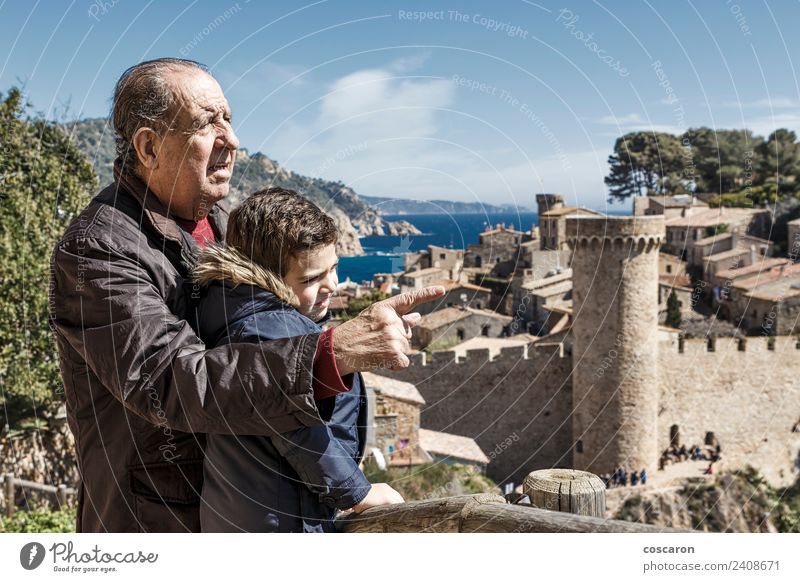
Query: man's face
{"x": 312, "y": 277}
{"x": 196, "y": 155}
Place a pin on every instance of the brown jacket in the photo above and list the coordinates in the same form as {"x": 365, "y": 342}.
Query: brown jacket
{"x": 141, "y": 388}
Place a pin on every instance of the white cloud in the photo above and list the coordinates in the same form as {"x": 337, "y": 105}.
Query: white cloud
{"x": 386, "y": 135}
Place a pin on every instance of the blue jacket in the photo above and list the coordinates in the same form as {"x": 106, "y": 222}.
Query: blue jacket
{"x": 293, "y": 482}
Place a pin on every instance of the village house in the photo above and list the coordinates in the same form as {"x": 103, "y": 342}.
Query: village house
{"x": 497, "y": 251}
{"x": 449, "y": 260}
{"x": 669, "y": 206}
{"x": 532, "y": 300}
{"x": 765, "y": 297}
{"x": 684, "y": 232}
{"x": 394, "y": 429}
{"x": 415, "y": 280}
{"x": 773, "y": 308}
{"x": 452, "y": 325}
{"x": 720, "y": 243}
{"x": 458, "y": 294}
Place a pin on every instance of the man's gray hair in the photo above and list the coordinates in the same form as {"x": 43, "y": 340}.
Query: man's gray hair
{"x": 143, "y": 97}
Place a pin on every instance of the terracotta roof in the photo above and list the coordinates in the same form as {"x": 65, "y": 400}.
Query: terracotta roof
{"x": 714, "y": 216}
{"x": 440, "y": 317}
{"x": 714, "y": 238}
{"x": 764, "y": 265}
{"x": 489, "y": 313}
{"x": 726, "y": 255}
{"x": 392, "y": 388}
{"x": 554, "y": 289}
{"x": 556, "y": 212}
{"x": 451, "y": 445}
{"x": 787, "y": 285}
{"x": 449, "y": 285}
{"x": 764, "y": 277}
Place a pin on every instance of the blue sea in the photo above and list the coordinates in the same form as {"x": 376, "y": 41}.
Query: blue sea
{"x": 384, "y": 254}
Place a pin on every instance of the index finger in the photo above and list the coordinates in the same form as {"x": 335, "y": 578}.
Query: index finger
{"x": 405, "y": 302}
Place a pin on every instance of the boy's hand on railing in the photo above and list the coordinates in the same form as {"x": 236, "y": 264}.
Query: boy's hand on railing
{"x": 379, "y": 494}
{"x": 378, "y": 337}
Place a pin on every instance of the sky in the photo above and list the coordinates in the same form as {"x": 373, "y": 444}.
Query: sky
{"x": 471, "y": 101}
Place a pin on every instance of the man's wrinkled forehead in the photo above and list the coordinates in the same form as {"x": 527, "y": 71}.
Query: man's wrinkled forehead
{"x": 198, "y": 96}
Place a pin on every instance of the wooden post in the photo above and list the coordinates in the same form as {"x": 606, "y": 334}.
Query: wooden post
{"x": 566, "y": 490}
{"x": 61, "y": 496}
{"x": 8, "y": 481}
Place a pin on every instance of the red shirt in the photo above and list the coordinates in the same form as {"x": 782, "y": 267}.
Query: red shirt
{"x": 201, "y": 231}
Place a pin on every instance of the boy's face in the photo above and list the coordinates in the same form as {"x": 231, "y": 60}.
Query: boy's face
{"x": 312, "y": 277}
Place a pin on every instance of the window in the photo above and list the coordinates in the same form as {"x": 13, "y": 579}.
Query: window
{"x": 579, "y": 446}
{"x": 485, "y": 330}
{"x": 669, "y": 268}
{"x": 441, "y": 255}
{"x": 460, "y": 334}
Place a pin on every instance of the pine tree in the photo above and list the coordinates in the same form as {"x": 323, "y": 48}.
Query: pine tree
{"x": 673, "y": 311}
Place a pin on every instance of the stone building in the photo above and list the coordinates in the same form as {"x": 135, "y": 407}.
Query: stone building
{"x": 394, "y": 429}
{"x": 451, "y": 449}
{"x": 413, "y": 280}
{"x": 668, "y": 206}
{"x": 553, "y": 226}
{"x": 532, "y": 300}
{"x": 451, "y": 261}
{"x": 497, "y": 251}
{"x": 708, "y": 247}
{"x": 684, "y": 231}
{"x": 455, "y": 324}
{"x": 458, "y": 294}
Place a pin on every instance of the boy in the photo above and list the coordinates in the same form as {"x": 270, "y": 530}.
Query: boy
{"x": 273, "y": 279}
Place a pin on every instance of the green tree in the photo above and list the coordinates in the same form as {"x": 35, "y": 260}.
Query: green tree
{"x": 673, "y": 311}
{"x": 724, "y": 160}
{"x": 645, "y": 163}
{"x": 44, "y": 181}
{"x": 780, "y": 160}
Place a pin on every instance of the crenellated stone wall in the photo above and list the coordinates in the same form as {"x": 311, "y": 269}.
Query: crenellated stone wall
{"x": 516, "y": 406}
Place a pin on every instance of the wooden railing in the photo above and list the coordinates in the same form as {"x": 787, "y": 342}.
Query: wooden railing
{"x": 11, "y": 483}
{"x": 553, "y": 501}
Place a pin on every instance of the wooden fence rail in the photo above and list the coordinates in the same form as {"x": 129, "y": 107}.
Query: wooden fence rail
{"x": 10, "y": 484}
{"x": 483, "y": 513}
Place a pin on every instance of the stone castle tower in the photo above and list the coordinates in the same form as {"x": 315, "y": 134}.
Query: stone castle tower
{"x": 615, "y": 386}
{"x": 548, "y": 202}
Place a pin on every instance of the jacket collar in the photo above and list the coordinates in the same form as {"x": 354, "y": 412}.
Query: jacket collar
{"x": 155, "y": 212}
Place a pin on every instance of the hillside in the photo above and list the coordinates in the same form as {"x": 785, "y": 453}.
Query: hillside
{"x": 252, "y": 172}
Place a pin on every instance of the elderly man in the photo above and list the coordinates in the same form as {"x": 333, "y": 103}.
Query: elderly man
{"x": 141, "y": 388}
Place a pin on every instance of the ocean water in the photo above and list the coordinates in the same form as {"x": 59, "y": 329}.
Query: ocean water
{"x": 384, "y": 254}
